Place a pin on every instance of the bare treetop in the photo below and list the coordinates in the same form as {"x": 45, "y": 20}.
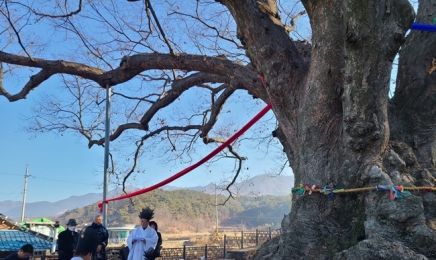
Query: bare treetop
{"x": 138, "y": 49}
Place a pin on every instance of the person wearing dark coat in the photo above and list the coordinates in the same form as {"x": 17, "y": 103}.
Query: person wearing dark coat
{"x": 23, "y": 254}
{"x": 88, "y": 239}
{"x": 67, "y": 241}
{"x": 103, "y": 238}
{"x": 156, "y": 252}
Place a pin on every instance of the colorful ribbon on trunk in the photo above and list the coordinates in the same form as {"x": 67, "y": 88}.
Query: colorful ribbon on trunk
{"x": 395, "y": 192}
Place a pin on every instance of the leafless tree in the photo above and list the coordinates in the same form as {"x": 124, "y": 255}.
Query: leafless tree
{"x": 329, "y": 95}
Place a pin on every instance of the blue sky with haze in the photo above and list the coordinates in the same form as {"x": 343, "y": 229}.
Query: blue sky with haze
{"x": 62, "y": 166}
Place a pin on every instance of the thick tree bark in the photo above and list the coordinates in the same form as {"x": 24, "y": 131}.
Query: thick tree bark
{"x": 413, "y": 105}
{"x": 334, "y": 125}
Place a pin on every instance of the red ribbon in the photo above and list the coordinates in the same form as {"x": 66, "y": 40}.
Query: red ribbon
{"x": 192, "y": 167}
{"x": 100, "y": 205}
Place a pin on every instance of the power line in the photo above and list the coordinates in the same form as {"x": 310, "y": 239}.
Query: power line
{"x": 11, "y": 174}
{"x": 37, "y": 177}
{"x": 82, "y": 183}
{"x": 8, "y": 194}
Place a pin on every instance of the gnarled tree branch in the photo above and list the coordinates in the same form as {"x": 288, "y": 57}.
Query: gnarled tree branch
{"x": 239, "y": 76}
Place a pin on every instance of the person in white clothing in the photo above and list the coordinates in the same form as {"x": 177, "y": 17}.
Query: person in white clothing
{"x": 143, "y": 239}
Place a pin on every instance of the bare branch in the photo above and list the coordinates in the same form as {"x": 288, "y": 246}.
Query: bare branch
{"x": 218, "y": 33}
{"x": 8, "y": 17}
{"x": 135, "y": 98}
{"x": 33, "y": 82}
{"x": 238, "y": 171}
{"x": 215, "y": 112}
{"x": 169, "y": 140}
{"x": 94, "y": 50}
{"x": 117, "y": 133}
{"x": 79, "y": 8}
{"x": 238, "y": 76}
{"x": 135, "y": 163}
{"x": 179, "y": 86}
{"x": 292, "y": 27}
{"x": 148, "y": 6}
{"x": 238, "y": 168}
{"x": 58, "y": 66}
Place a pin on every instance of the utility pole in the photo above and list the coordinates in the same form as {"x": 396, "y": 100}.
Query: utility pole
{"x": 24, "y": 194}
{"x": 106, "y": 151}
{"x": 216, "y": 211}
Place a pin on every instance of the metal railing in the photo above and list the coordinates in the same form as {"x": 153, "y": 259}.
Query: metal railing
{"x": 239, "y": 240}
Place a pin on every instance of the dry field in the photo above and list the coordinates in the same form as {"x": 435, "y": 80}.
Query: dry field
{"x": 177, "y": 240}
{"x": 201, "y": 238}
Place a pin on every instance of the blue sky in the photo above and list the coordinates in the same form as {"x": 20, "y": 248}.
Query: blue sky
{"x": 62, "y": 166}
{"x": 54, "y": 162}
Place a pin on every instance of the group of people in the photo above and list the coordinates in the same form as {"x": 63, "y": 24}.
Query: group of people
{"x": 144, "y": 242}
{"x": 89, "y": 244}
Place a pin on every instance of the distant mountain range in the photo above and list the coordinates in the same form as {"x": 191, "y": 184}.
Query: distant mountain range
{"x": 259, "y": 185}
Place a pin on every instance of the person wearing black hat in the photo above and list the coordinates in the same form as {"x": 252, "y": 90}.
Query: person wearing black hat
{"x": 88, "y": 241}
{"x": 143, "y": 240}
{"x": 67, "y": 241}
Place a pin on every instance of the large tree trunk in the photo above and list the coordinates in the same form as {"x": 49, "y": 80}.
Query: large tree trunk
{"x": 334, "y": 125}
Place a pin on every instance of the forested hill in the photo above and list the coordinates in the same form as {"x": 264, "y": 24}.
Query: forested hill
{"x": 193, "y": 210}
